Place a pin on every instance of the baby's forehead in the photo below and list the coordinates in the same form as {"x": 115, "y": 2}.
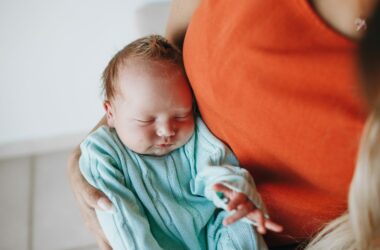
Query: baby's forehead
{"x": 135, "y": 75}
{"x": 140, "y": 69}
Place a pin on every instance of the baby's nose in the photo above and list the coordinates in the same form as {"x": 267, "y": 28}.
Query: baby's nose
{"x": 165, "y": 130}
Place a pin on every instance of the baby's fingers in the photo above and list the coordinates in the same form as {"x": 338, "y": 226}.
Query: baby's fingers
{"x": 241, "y": 212}
{"x": 238, "y": 200}
{"x": 234, "y": 198}
{"x": 258, "y": 217}
{"x": 263, "y": 223}
{"x": 273, "y": 226}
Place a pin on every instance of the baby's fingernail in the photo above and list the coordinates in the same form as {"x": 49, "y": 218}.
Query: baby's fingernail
{"x": 104, "y": 205}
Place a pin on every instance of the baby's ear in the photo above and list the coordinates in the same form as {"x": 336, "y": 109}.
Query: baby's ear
{"x": 109, "y": 113}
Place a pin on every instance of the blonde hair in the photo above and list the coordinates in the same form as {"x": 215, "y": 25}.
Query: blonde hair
{"x": 150, "y": 48}
{"x": 359, "y": 227}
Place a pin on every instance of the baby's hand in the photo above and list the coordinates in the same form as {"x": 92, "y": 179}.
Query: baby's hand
{"x": 245, "y": 208}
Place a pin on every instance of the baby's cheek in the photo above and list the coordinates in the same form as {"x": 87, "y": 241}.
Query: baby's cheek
{"x": 137, "y": 139}
{"x": 146, "y": 135}
{"x": 186, "y": 132}
{"x": 190, "y": 126}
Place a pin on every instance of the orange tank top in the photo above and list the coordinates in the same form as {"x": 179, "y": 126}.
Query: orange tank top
{"x": 279, "y": 86}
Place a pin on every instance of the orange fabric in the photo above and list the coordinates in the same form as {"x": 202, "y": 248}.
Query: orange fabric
{"x": 279, "y": 87}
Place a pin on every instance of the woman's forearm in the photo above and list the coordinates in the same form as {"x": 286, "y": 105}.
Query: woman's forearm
{"x": 180, "y": 14}
{"x": 88, "y": 197}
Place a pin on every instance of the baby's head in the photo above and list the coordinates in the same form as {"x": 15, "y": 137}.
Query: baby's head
{"x": 147, "y": 97}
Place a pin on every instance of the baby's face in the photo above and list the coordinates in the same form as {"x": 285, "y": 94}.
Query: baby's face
{"x": 153, "y": 110}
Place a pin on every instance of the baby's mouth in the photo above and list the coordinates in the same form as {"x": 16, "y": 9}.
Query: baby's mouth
{"x": 164, "y": 145}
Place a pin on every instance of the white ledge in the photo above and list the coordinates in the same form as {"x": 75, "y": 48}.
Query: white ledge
{"x": 40, "y": 146}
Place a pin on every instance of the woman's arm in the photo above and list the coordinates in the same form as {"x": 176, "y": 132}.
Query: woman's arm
{"x": 104, "y": 166}
{"x": 181, "y": 12}
{"x": 87, "y": 196}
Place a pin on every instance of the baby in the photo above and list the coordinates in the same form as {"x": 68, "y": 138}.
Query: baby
{"x": 172, "y": 183}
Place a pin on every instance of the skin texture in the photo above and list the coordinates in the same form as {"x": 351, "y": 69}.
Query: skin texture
{"x": 340, "y": 14}
{"x": 337, "y": 13}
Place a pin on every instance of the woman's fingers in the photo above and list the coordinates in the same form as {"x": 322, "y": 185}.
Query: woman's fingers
{"x": 95, "y": 198}
{"x": 89, "y": 199}
{"x": 103, "y": 244}
{"x": 82, "y": 189}
{"x": 91, "y": 221}
{"x": 87, "y": 202}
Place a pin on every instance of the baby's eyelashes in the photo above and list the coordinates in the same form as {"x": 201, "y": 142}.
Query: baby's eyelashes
{"x": 179, "y": 117}
{"x": 144, "y": 121}
{"x": 183, "y": 116}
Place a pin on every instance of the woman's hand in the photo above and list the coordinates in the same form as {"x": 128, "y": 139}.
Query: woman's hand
{"x": 244, "y": 207}
{"x": 88, "y": 199}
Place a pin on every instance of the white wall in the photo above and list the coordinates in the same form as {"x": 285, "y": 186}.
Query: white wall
{"x": 52, "y": 53}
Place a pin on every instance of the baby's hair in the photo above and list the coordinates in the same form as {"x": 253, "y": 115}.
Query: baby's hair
{"x": 151, "y": 48}
{"x": 359, "y": 227}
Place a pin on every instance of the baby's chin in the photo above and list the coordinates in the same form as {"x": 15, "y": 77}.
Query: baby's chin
{"x": 157, "y": 150}
{"x": 163, "y": 150}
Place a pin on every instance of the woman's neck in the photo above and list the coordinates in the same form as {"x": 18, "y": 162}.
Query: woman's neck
{"x": 343, "y": 15}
